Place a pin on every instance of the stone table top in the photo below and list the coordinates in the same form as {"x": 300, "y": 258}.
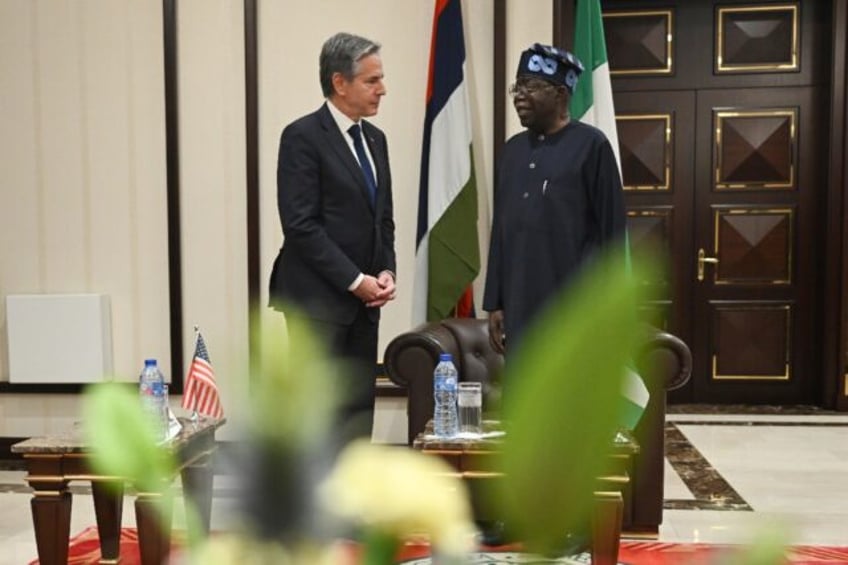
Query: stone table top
{"x": 72, "y": 441}
{"x": 492, "y": 439}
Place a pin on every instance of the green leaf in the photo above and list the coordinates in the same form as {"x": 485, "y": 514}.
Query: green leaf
{"x": 380, "y": 548}
{"x": 562, "y": 394}
{"x": 297, "y": 389}
{"x": 767, "y": 548}
{"x": 123, "y": 439}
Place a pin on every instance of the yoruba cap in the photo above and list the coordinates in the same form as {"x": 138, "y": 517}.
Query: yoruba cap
{"x": 552, "y": 64}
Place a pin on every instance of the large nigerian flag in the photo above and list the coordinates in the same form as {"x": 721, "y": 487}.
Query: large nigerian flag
{"x": 447, "y": 256}
{"x": 592, "y": 99}
{"x": 592, "y": 103}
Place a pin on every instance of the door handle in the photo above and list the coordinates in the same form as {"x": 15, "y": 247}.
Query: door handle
{"x": 702, "y": 258}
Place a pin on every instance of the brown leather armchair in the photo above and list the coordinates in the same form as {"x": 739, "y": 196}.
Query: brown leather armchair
{"x": 663, "y": 360}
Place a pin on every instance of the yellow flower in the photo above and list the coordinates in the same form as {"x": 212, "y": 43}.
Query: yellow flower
{"x": 402, "y": 493}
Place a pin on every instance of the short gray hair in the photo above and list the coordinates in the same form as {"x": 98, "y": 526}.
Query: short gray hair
{"x": 341, "y": 54}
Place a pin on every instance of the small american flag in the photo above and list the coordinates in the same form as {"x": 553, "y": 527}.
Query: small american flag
{"x": 201, "y": 391}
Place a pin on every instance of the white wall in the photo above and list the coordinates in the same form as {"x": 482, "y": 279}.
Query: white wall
{"x": 82, "y": 201}
{"x": 529, "y": 22}
{"x": 82, "y": 150}
{"x": 213, "y": 184}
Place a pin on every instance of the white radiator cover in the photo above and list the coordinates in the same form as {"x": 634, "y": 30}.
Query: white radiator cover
{"x": 59, "y": 338}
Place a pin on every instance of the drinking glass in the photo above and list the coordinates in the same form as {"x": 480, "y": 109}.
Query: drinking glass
{"x": 469, "y": 400}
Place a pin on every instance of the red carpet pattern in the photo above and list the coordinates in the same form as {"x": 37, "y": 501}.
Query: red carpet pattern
{"x": 85, "y": 549}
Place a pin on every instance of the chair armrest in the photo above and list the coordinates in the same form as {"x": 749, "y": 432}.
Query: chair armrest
{"x": 413, "y": 355}
{"x": 665, "y": 363}
{"x": 409, "y": 361}
{"x": 668, "y": 356}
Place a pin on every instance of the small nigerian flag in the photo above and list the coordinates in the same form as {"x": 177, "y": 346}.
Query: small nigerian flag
{"x": 634, "y": 399}
{"x": 592, "y": 103}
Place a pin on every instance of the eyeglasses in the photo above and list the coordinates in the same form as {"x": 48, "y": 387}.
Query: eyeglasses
{"x": 530, "y": 87}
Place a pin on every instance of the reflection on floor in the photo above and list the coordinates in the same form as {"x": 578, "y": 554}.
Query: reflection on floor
{"x": 705, "y": 483}
{"x": 732, "y": 473}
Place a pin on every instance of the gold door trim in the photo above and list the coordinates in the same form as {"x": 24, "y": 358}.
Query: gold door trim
{"x": 669, "y": 41}
{"x": 717, "y": 213}
{"x": 787, "y": 373}
{"x": 787, "y": 66}
{"x": 650, "y": 212}
{"x": 716, "y": 377}
{"x": 720, "y": 115}
{"x": 666, "y": 150}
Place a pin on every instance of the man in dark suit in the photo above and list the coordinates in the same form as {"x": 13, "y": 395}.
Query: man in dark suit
{"x": 337, "y": 264}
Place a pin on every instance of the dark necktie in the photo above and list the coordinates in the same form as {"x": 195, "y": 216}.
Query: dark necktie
{"x": 364, "y": 163}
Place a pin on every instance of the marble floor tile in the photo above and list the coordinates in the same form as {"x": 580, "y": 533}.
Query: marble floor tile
{"x": 792, "y": 528}
{"x": 781, "y": 468}
{"x": 675, "y": 488}
{"x": 758, "y": 419}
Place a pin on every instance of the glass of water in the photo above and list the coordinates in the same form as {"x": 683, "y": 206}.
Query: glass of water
{"x": 469, "y": 401}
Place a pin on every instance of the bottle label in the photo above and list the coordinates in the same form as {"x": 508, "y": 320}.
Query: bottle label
{"x": 445, "y": 383}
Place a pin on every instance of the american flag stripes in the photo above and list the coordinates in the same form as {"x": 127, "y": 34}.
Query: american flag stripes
{"x": 201, "y": 391}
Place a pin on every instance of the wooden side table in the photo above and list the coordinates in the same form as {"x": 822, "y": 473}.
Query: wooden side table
{"x": 54, "y": 461}
{"x": 475, "y": 462}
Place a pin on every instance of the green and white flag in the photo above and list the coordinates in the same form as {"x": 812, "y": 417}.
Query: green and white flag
{"x": 447, "y": 255}
{"x": 635, "y": 397}
{"x": 592, "y": 103}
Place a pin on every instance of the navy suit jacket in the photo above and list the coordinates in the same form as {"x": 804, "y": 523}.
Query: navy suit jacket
{"x": 331, "y": 232}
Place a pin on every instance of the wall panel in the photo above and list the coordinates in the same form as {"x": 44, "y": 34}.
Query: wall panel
{"x": 527, "y": 22}
{"x": 82, "y": 202}
{"x": 213, "y": 190}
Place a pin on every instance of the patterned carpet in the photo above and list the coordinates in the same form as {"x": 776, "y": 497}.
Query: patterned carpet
{"x": 84, "y": 550}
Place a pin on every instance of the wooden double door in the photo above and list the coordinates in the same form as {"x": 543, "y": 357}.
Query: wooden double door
{"x": 725, "y": 174}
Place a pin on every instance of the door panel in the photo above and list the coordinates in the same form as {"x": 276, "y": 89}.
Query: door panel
{"x": 721, "y": 111}
{"x": 655, "y": 133}
{"x": 755, "y": 206}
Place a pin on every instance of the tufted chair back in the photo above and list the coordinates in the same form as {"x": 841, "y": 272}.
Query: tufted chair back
{"x": 663, "y": 360}
{"x": 411, "y": 357}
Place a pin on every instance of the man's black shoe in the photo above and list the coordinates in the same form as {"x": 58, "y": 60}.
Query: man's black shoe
{"x": 493, "y": 533}
{"x": 574, "y": 543}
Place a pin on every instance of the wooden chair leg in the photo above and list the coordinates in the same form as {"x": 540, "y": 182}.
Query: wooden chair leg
{"x": 606, "y": 527}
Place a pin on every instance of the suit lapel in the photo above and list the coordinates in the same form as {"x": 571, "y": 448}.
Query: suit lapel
{"x": 339, "y": 144}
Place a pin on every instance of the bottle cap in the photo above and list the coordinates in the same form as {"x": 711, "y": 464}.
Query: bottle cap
{"x": 150, "y": 362}
{"x": 445, "y": 357}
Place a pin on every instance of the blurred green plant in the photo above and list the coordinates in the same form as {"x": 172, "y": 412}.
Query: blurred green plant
{"x": 561, "y": 402}
{"x": 295, "y": 392}
{"x": 124, "y": 439}
{"x": 125, "y": 443}
{"x": 767, "y": 548}
{"x": 563, "y": 390}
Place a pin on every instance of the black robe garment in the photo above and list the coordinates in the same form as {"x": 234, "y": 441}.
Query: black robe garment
{"x": 557, "y": 201}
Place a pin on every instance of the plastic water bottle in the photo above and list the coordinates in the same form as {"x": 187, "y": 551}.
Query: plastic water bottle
{"x": 151, "y": 389}
{"x": 445, "y": 423}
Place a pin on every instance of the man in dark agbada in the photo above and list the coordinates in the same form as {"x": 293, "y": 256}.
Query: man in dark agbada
{"x": 558, "y": 201}
{"x": 558, "y": 198}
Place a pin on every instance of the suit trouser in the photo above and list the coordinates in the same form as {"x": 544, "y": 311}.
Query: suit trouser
{"x": 355, "y": 345}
